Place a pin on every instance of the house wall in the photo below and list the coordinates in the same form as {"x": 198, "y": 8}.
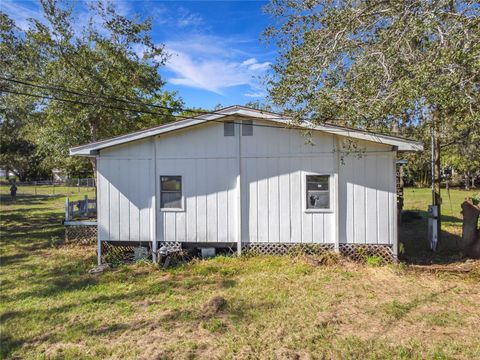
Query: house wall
{"x": 125, "y": 191}
{"x": 273, "y": 164}
{"x": 367, "y": 196}
{"x": 206, "y": 160}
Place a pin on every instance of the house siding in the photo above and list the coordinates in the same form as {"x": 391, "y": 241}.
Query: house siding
{"x": 272, "y": 163}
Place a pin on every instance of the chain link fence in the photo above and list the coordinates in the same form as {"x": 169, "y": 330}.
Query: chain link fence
{"x": 65, "y": 187}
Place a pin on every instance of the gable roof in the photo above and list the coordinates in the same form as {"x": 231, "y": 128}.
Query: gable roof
{"x": 401, "y": 144}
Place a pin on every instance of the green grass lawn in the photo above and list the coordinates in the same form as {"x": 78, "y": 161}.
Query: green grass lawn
{"x": 413, "y": 234}
{"x": 249, "y": 307}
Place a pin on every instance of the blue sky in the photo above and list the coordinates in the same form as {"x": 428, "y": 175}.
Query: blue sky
{"x": 216, "y": 56}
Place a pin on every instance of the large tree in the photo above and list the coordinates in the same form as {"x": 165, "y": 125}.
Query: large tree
{"x": 105, "y": 71}
{"x": 384, "y": 65}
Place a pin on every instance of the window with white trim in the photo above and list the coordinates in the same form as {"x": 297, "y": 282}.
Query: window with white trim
{"x": 171, "y": 192}
{"x": 317, "y": 192}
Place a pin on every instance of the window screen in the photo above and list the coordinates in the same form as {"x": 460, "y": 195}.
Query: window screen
{"x": 228, "y": 128}
{"x": 247, "y": 128}
{"x": 318, "y": 191}
{"x": 171, "y": 192}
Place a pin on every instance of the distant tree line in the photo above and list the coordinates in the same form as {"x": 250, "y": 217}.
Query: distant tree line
{"x": 93, "y": 82}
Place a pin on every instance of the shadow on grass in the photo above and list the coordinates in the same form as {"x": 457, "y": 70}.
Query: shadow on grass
{"x": 28, "y": 199}
{"x": 186, "y": 315}
{"x": 413, "y": 235}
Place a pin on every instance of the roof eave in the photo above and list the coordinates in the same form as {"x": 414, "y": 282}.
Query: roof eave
{"x": 92, "y": 149}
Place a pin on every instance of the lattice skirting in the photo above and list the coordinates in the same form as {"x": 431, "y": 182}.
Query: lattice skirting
{"x": 286, "y": 249}
{"x": 125, "y": 252}
{"x": 359, "y": 252}
{"x": 171, "y": 245}
{"x": 116, "y": 252}
{"x": 82, "y": 234}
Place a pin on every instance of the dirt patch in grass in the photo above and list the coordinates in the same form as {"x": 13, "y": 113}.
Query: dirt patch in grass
{"x": 214, "y": 306}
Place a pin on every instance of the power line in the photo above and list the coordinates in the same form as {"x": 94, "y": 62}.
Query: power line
{"x": 95, "y": 96}
{"x": 47, "y": 97}
{"x": 115, "y": 107}
{"x": 165, "y": 116}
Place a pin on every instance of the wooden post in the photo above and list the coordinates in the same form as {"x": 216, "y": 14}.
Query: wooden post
{"x": 470, "y": 231}
{"x": 337, "y": 195}
{"x": 239, "y": 189}
{"x": 99, "y": 251}
{"x": 438, "y": 198}
{"x": 435, "y": 166}
{"x": 85, "y": 204}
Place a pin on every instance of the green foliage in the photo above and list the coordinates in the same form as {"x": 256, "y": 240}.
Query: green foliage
{"x": 374, "y": 260}
{"x": 110, "y": 57}
{"x": 476, "y": 199}
{"x": 397, "y": 310}
{"x": 214, "y": 325}
{"x": 393, "y": 66}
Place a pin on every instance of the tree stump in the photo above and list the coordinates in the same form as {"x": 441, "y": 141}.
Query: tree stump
{"x": 470, "y": 231}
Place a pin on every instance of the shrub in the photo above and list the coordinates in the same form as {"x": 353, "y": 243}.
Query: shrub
{"x": 374, "y": 260}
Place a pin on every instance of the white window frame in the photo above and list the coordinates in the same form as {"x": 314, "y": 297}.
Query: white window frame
{"x": 331, "y": 189}
{"x": 182, "y": 200}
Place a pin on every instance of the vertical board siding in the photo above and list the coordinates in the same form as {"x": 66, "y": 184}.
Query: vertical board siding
{"x": 274, "y": 200}
{"x": 103, "y": 203}
{"x": 208, "y": 213}
{"x": 125, "y": 190}
{"x": 367, "y": 192}
{"x": 212, "y": 205}
{"x": 371, "y": 218}
{"x": 201, "y": 199}
{"x": 274, "y": 163}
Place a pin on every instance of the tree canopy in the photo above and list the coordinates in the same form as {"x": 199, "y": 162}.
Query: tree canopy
{"x": 408, "y": 67}
{"x": 378, "y": 63}
{"x": 102, "y": 79}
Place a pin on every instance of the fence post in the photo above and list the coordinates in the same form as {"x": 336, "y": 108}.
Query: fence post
{"x": 86, "y": 205}
{"x": 67, "y": 209}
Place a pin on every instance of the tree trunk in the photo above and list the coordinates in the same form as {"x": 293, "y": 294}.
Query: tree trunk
{"x": 470, "y": 231}
{"x": 93, "y": 135}
{"x": 93, "y": 161}
{"x": 467, "y": 181}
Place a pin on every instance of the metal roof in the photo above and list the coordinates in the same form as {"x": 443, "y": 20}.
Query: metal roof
{"x": 401, "y": 144}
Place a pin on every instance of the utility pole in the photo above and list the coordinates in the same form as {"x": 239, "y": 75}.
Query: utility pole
{"x": 434, "y": 224}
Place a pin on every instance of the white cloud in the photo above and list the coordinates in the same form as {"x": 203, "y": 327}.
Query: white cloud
{"x": 258, "y": 94}
{"x": 180, "y": 17}
{"x": 187, "y": 18}
{"x": 213, "y": 65}
{"x": 21, "y": 13}
{"x": 250, "y": 61}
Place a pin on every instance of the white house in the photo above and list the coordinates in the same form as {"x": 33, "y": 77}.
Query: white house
{"x": 245, "y": 178}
